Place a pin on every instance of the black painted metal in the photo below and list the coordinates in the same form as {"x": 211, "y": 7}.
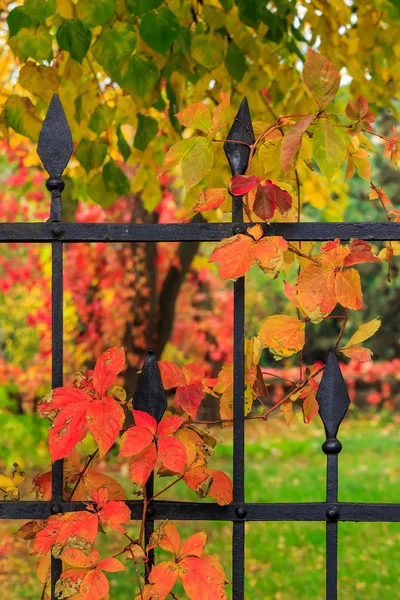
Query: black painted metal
{"x": 151, "y": 398}
{"x": 55, "y": 148}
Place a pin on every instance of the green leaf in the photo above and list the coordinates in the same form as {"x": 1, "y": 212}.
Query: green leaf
{"x": 140, "y": 7}
{"x": 115, "y": 179}
{"x": 95, "y": 12}
{"x": 31, "y": 43}
{"x": 329, "y": 147}
{"x": 208, "y": 50}
{"x": 21, "y": 116}
{"x": 100, "y": 192}
{"x": 91, "y": 155}
{"x": 235, "y": 62}
{"x": 39, "y": 80}
{"x": 249, "y": 11}
{"x": 40, "y": 10}
{"x": 114, "y": 45}
{"x": 146, "y": 131}
{"x": 159, "y": 29}
{"x": 141, "y": 76}
{"x": 75, "y": 38}
{"x": 17, "y": 19}
{"x": 123, "y": 145}
{"x": 101, "y": 118}
{"x": 195, "y": 157}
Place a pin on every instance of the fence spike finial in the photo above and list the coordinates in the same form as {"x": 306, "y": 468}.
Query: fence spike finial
{"x": 150, "y": 395}
{"x": 242, "y": 131}
{"x": 332, "y": 397}
{"x": 55, "y": 149}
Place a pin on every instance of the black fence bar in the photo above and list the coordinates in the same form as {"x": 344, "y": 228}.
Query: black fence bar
{"x": 57, "y": 380}
{"x": 191, "y": 232}
{"x": 208, "y": 511}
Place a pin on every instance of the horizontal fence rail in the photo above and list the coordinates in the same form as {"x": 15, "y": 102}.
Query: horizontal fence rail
{"x": 55, "y": 149}
{"x": 191, "y": 232}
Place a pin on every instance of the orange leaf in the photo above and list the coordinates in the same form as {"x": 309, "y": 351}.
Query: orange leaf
{"x": 201, "y": 580}
{"x": 348, "y": 289}
{"x": 144, "y": 419}
{"x": 162, "y": 577}
{"x": 94, "y": 585}
{"x": 221, "y": 488}
{"x": 42, "y": 483}
{"x": 291, "y": 143}
{"x": 194, "y": 545}
{"x": 167, "y": 537}
{"x": 76, "y": 558}
{"x": 111, "y": 564}
{"x": 221, "y": 114}
{"x": 357, "y": 353}
{"x": 196, "y": 116}
{"x": 316, "y": 287}
{"x": 210, "y": 199}
{"x": 235, "y": 255}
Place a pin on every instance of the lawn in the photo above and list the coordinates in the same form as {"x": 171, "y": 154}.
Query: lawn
{"x": 284, "y": 561}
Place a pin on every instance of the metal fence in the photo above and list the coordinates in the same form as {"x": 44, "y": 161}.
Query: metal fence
{"x": 55, "y": 149}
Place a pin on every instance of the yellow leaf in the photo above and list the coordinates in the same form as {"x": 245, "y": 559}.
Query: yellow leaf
{"x": 363, "y": 333}
{"x": 283, "y": 335}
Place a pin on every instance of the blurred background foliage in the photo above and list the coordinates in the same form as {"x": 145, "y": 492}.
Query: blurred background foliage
{"x": 123, "y": 68}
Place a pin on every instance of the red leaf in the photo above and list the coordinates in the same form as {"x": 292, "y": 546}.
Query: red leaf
{"x": 172, "y": 454}
{"x": 142, "y": 465}
{"x": 241, "y": 184}
{"x": 171, "y": 374}
{"x": 189, "y": 398}
{"x": 43, "y": 485}
{"x": 360, "y": 252}
{"x": 68, "y": 429}
{"x": 60, "y": 397}
{"x": 193, "y": 373}
{"x": 269, "y": 197}
{"x": 169, "y": 425}
{"x": 104, "y": 419}
{"x": 144, "y": 419}
{"x": 108, "y": 365}
{"x": 135, "y": 440}
{"x": 114, "y": 513}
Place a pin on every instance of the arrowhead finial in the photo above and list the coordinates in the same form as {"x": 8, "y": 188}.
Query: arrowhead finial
{"x": 241, "y": 130}
{"x": 332, "y": 397}
{"x": 150, "y": 395}
{"x": 55, "y": 149}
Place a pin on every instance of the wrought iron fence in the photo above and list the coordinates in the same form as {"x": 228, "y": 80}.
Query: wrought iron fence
{"x": 55, "y": 149}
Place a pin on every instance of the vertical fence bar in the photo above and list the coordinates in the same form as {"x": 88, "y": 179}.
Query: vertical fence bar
{"x": 334, "y": 401}
{"x": 238, "y": 158}
{"x": 55, "y": 148}
{"x": 150, "y": 397}
{"x": 57, "y": 380}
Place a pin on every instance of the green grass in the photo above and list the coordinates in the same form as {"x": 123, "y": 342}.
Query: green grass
{"x": 284, "y": 561}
